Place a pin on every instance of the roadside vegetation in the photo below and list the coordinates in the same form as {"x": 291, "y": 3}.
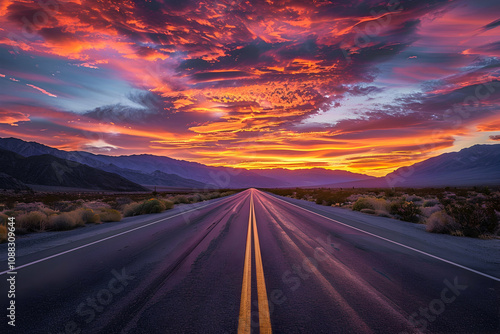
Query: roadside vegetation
{"x": 471, "y": 212}
{"x": 39, "y": 212}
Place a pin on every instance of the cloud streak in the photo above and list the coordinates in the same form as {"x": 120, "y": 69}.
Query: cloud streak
{"x": 365, "y": 87}
{"x": 43, "y": 91}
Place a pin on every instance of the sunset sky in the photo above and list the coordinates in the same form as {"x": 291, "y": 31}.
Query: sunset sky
{"x": 364, "y": 86}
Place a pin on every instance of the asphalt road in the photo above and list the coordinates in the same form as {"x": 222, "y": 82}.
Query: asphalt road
{"x": 247, "y": 263}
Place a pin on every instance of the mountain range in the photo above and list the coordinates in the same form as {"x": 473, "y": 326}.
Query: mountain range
{"x": 48, "y": 170}
{"x": 153, "y": 170}
{"x": 476, "y": 165}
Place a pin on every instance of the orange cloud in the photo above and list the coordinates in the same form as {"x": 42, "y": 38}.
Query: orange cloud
{"x": 493, "y": 125}
{"x": 12, "y": 117}
{"x": 239, "y": 80}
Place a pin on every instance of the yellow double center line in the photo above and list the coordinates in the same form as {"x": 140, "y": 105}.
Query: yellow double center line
{"x": 246, "y": 290}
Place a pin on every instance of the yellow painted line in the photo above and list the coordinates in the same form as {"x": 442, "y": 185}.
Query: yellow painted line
{"x": 264, "y": 316}
{"x": 246, "y": 289}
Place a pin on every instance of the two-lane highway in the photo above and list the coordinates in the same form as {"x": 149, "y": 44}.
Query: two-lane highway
{"x": 248, "y": 263}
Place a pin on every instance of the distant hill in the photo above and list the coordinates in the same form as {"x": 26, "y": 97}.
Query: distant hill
{"x": 8, "y": 182}
{"x": 147, "y": 169}
{"x": 52, "y": 171}
{"x": 143, "y": 168}
{"x": 473, "y": 166}
{"x": 218, "y": 177}
{"x": 156, "y": 178}
{"x": 477, "y": 165}
{"x": 312, "y": 177}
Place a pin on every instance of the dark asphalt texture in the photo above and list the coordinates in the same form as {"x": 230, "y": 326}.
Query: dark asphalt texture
{"x": 183, "y": 273}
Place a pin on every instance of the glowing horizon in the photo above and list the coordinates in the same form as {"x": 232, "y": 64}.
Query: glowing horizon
{"x": 366, "y": 87}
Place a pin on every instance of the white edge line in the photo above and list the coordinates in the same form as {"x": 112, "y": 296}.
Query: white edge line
{"x": 101, "y": 240}
{"x": 395, "y": 242}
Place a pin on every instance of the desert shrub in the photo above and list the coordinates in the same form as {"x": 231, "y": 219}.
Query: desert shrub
{"x": 88, "y": 216}
{"x": 477, "y": 199}
{"x": 152, "y": 205}
{"x": 168, "y": 204}
{"x": 485, "y": 190}
{"x": 3, "y": 219}
{"x": 284, "y": 192}
{"x": 445, "y": 201}
{"x": 113, "y": 205}
{"x": 330, "y": 197}
{"x": 457, "y": 233}
{"x": 66, "y": 206}
{"x": 217, "y": 194}
{"x": 369, "y": 211}
{"x": 31, "y": 221}
{"x": 390, "y": 193}
{"x": 339, "y": 197}
{"x": 474, "y": 219}
{"x": 354, "y": 197}
{"x": 65, "y": 221}
{"x": 440, "y": 222}
{"x": 362, "y": 203}
{"x": 47, "y": 211}
{"x": 428, "y": 211}
{"x": 377, "y": 204}
{"x": 97, "y": 205}
{"x": 11, "y": 213}
{"x": 430, "y": 203}
{"x": 110, "y": 215}
{"x": 413, "y": 198}
{"x": 195, "y": 198}
{"x": 407, "y": 211}
{"x": 28, "y": 207}
{"x": 131, "y": 209}
{"x": 3, "y": 233}
{"x": 180, "y": 199}
{"x": 205, "y": 197}
{"x": 120, "y": 201}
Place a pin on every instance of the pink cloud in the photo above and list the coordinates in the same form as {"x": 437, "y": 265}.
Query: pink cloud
{"x": 12, "y": 117}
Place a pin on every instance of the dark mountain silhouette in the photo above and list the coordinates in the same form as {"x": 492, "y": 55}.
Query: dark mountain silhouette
{"x": 476, "y": 165}
{"x": 8, "y": 182}
{"x": 147, "y": 169}
{"x": 313, "y": 176}
{"x": 52, "y": 171}
{"x": 156, "y": 178}
{"x": 140, "y": 168}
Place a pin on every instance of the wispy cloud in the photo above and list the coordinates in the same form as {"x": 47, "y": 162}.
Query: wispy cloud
{"x": 41, "y": 90}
